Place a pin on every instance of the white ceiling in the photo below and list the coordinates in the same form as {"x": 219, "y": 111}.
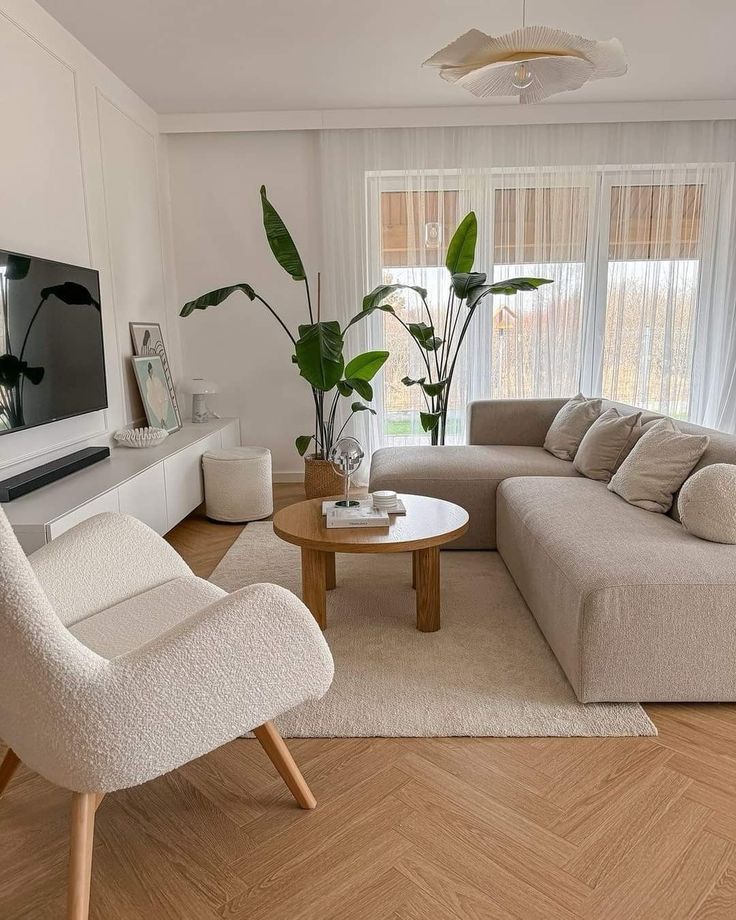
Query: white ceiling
{"x": 260, "y": 55}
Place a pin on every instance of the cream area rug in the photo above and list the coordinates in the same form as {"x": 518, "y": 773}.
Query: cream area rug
{"x": 487, "y": 672}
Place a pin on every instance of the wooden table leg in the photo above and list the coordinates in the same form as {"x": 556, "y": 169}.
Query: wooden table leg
{"x": 427, "y": 570}
{"x": 314, "y": 583}
{"x": 413, "y": 570}
{"x": 330, "y": 577}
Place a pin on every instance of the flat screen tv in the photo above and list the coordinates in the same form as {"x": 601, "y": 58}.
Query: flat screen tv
{"x": 52, "y": 362}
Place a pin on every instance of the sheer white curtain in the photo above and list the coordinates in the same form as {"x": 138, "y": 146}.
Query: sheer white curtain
{"x": 634, "y": 223}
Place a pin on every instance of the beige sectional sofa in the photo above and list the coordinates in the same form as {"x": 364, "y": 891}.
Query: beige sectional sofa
{"x": 633, "y": 606}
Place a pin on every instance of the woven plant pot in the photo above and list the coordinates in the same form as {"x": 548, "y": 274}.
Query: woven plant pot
{"x": 320, "y": 478}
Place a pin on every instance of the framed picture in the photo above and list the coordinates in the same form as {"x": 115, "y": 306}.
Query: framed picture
{"x": 151, "y": 379}
{"x": 147, "y": 340}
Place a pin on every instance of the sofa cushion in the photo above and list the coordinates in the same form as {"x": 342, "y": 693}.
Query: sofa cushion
{"x": 707, "y": 503}
{"x": 465, "y": 475}
{"x": 657, "y": 466}
{"x": 605, "y": 444}
{"x": 633, "y": 606}
{"x": 145, "y": 617}
{"x": 569, "y": 426}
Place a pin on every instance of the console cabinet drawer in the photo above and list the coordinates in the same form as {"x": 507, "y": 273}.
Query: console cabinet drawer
{"x": 184, "y": 485}
{"x": 144, "y": 497}
{"x": 106, "y": 502}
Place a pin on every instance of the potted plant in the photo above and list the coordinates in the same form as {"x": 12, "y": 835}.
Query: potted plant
{"x": 318, "y": 352}
{"x": 439, "y": 353}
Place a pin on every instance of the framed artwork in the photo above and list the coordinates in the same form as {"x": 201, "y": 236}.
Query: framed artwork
{"x": 147, "y": 340}
{"x": 151, "y": 379}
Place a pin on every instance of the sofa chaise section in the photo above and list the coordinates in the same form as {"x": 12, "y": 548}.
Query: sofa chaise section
{"x": 634, "y": 607}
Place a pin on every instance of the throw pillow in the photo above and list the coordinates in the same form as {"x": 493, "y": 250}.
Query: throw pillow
{"x": 707, "y": 503}
{"x": 657, "y": 466}
{"x": 569, "y": 426}
{"x": 643, "y": 425}
{"x": 605, "y": 444}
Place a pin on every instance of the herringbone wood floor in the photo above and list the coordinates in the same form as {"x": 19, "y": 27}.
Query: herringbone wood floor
{"x": 415, "y": 829}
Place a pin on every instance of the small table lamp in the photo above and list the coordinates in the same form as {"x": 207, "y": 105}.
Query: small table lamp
{"x": 201, "y": 389}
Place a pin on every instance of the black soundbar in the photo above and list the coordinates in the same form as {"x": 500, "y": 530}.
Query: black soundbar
{"x": 50, "y": 472}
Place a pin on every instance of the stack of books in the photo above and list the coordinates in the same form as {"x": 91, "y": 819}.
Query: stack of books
{"x": 361, "y": 515}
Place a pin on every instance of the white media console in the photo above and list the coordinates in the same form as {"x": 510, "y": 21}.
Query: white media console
{"x": 159, "y": 485}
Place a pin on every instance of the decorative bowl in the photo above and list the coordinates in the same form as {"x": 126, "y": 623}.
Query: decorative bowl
{"x": 140, "y": 437}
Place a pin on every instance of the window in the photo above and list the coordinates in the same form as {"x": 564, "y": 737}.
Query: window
{"x": 629, "y": 255}
{"x": 654, "y": 249}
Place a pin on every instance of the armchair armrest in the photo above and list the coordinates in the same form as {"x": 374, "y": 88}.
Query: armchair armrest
{"x": 101, "y": 562}
{"x": 238, "y": 663}
{"x": 517, "y": 422}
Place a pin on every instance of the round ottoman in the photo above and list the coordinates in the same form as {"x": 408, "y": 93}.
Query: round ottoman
{"x": 237, "y": 484}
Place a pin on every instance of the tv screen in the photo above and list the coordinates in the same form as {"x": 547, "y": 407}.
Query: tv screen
{"x": 52, "y": 362}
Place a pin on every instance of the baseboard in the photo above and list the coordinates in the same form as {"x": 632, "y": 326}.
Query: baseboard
{"x": 296, "y": 476}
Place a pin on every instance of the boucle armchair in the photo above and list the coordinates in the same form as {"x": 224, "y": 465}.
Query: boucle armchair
{"x": 120, "y": 665}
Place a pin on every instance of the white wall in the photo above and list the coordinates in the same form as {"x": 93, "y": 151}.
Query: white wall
{"x": 83, "y": 171}
{"x": 219, "y": 240}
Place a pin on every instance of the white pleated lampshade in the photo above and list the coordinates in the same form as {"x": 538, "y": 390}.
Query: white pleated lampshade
{"x": 556, "y": 62}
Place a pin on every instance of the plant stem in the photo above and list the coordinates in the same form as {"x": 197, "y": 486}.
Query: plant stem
{"x": 445, "y": 329}
{"x": 277, "y": 318}
{"x": 453, "y": 327}
{"x": 451, "y": 374}
{"x": 431, "y": 323}
{"x": 331, "y": 422}
{"x": 309, "y": 300}
{"x": 339, "y": 433}
{"x": 421, "y": 350}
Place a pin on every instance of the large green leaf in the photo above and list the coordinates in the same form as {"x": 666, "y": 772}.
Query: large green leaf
{"x": 16, "y": 267}
{"x": 431, "y": 389}
{"x": 465, "y": 282}
{"x": 366, "y": 366}
{"x": 514, "y": 285}
{"x": 461, "y": 251}
{"x": 361, "y": 387}
{"x": 213, "y": 298}
{"x": 319, "y": 354}
{"x": 430, "y": 420}
{"x": 375, "y": 299}
{"x": 344, "y": 388}
{"x": 359, "y": 407}
{"x": 434, "y": 389}
{"x": 280, "y": 241}
{"x": 508, "y": 288}
{"x": 424, "y": 336}
{"x": 302, "y": 443}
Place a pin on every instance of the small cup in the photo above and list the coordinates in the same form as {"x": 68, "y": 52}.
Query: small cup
{"x": 384, "y": 498}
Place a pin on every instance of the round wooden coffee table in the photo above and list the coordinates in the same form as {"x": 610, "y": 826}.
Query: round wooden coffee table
{"x": 427, "y": 524}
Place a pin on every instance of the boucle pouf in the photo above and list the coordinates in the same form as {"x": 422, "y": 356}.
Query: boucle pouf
{"x": 707, "y": 503}
{"x": 237, "y": 484}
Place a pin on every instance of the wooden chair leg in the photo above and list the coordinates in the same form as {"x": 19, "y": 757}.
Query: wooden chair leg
{"x": 7, "y": 769}
{"x": 275, "y": 746}
{"x": 80, "y": 854}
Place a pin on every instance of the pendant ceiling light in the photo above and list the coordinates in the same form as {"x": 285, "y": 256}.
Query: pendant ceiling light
{"x": 532, "y": 62}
